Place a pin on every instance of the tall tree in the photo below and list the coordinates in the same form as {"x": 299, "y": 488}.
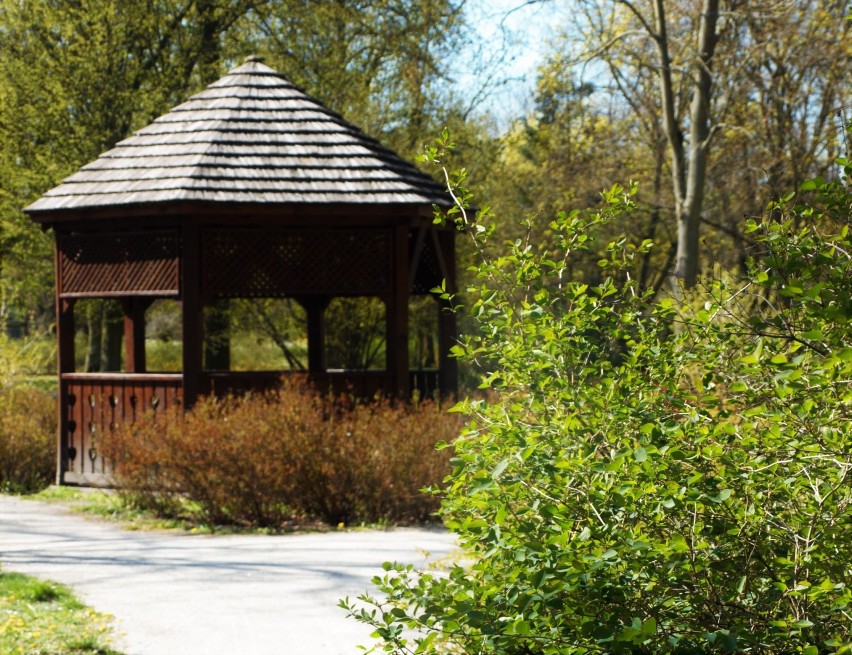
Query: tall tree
{"x": 738, "y": 96}
{"x": 382, "y": 63}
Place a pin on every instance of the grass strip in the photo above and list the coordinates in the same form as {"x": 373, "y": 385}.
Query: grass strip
{"x": 38, "y": 617}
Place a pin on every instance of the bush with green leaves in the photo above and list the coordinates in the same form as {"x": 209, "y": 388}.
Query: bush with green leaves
{"x": 27, "y": 439}
{"x": 651, "y": 475}
{"x": 27, "y": 416}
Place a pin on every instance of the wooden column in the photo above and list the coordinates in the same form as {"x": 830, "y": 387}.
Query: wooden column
{"x": 315, "y": 309}
{"x": 64, "y": 359}
{"x": 447, "y": 366}
{"x": 193, "y": 336}
{"x": 134, "y": 333}
{"x": 396, "y": 317}
{"x": 65, "y": 364}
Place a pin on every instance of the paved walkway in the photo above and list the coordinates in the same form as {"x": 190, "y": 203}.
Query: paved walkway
{"x": 176, "y": 594}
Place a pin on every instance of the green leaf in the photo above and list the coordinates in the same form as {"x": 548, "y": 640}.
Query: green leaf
{"x": 501, "y": 466}
{"x": 722, "y": 496}
{"x": 649, "y": 626}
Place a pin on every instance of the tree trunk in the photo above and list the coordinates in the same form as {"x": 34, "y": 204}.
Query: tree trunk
{"x": 689, "y": 167}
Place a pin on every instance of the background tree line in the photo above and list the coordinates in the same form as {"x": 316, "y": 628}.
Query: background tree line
{"x": 713, "y": 106}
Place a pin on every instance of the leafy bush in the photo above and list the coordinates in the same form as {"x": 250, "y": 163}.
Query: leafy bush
{"x": 653, "y": 476}
{"x": 293, "y": 454}
{"x": 27, "y": 439}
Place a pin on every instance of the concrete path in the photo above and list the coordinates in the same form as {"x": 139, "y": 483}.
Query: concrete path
{"x": 176, "y": 594}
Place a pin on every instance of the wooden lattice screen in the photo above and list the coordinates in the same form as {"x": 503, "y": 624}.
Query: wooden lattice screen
{"x": 268, "y": 264}
{"x": 139, "y": 263}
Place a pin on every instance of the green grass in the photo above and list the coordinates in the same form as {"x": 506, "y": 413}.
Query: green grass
{"x": 112, "y": 506}
{"x": 47, "y": 383}
{"x": 44, "y": 618}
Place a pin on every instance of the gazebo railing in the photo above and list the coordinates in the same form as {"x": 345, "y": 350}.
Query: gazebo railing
{"x": 362, "y": 384}
{"x": 92, "y": 404}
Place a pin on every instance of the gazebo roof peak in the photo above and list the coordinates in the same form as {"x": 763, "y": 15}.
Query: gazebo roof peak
{"x": 250, "y": 137}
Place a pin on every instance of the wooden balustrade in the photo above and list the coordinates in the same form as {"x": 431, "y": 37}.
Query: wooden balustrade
{"x": 92, "y": 404}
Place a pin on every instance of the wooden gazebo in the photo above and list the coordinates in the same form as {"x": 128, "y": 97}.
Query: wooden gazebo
{"x": 252, "y": 189}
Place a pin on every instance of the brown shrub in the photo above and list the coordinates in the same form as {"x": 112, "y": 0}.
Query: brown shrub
{"x": 292, "y": 454}
{"x": 27, "y": 439}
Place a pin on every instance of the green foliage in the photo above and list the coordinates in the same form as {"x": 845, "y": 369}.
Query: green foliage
{"x": 27, "y": 417}
{"x": 292, "y": 455}
{"x": 76, "y": 77}
{"x": 27, "y": 439}
{"x": 650, "y": 476}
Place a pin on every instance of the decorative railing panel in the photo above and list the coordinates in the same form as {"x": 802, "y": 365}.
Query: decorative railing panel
{"x": 276, "y": 263}
{"x": 138, "y": 263}
{"x": 94, "y": 404}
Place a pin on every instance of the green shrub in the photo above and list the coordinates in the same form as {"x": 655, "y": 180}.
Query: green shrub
{"x": 27, "y": 439}
{"x": 652, "y": 476}
{"x": 292, "y": 454}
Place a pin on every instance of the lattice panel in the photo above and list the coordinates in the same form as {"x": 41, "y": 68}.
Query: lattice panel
{"x": 112, "y": 264}
{"x": 268, "y": 264}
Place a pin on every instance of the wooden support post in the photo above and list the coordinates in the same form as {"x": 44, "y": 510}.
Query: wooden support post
{"x": 396, "y": 317}
{"x": 65, "y": 335}
{"x": 65, "y": 357}
{"x": 65, "y": 364}
{"x": 315, "y": 308}
{"x": 134, "y": 333}
{"x": 193, "y": 337}
{"x": 448, "y": 366}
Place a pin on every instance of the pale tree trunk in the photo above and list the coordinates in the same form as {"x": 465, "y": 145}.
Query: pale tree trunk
{"x": 688, "y": 164}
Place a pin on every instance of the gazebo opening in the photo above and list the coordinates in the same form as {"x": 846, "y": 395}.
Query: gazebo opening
{"x": 259, "y": 334}
{"x": 355, "y": 337}
{"x": 163, "y": 337}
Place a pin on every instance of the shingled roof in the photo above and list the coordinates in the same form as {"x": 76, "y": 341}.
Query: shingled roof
{"x": 251, "y": 137}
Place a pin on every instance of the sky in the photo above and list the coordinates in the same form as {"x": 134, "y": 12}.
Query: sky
{"x": 514, "y": 35}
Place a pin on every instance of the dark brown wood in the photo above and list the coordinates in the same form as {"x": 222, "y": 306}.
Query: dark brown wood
{"x": 193, "y": 337}
{"x": 65, "y": 335}
{"x": 134, "y": 333}
{"x": 65, "y": 364}
{"x": 97, "y": 403}
{"x": 315, "y": 309}
{"x": 157, "y": 215}
{"x": 396, "y": 310}
{"x": 114, "y": 263}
